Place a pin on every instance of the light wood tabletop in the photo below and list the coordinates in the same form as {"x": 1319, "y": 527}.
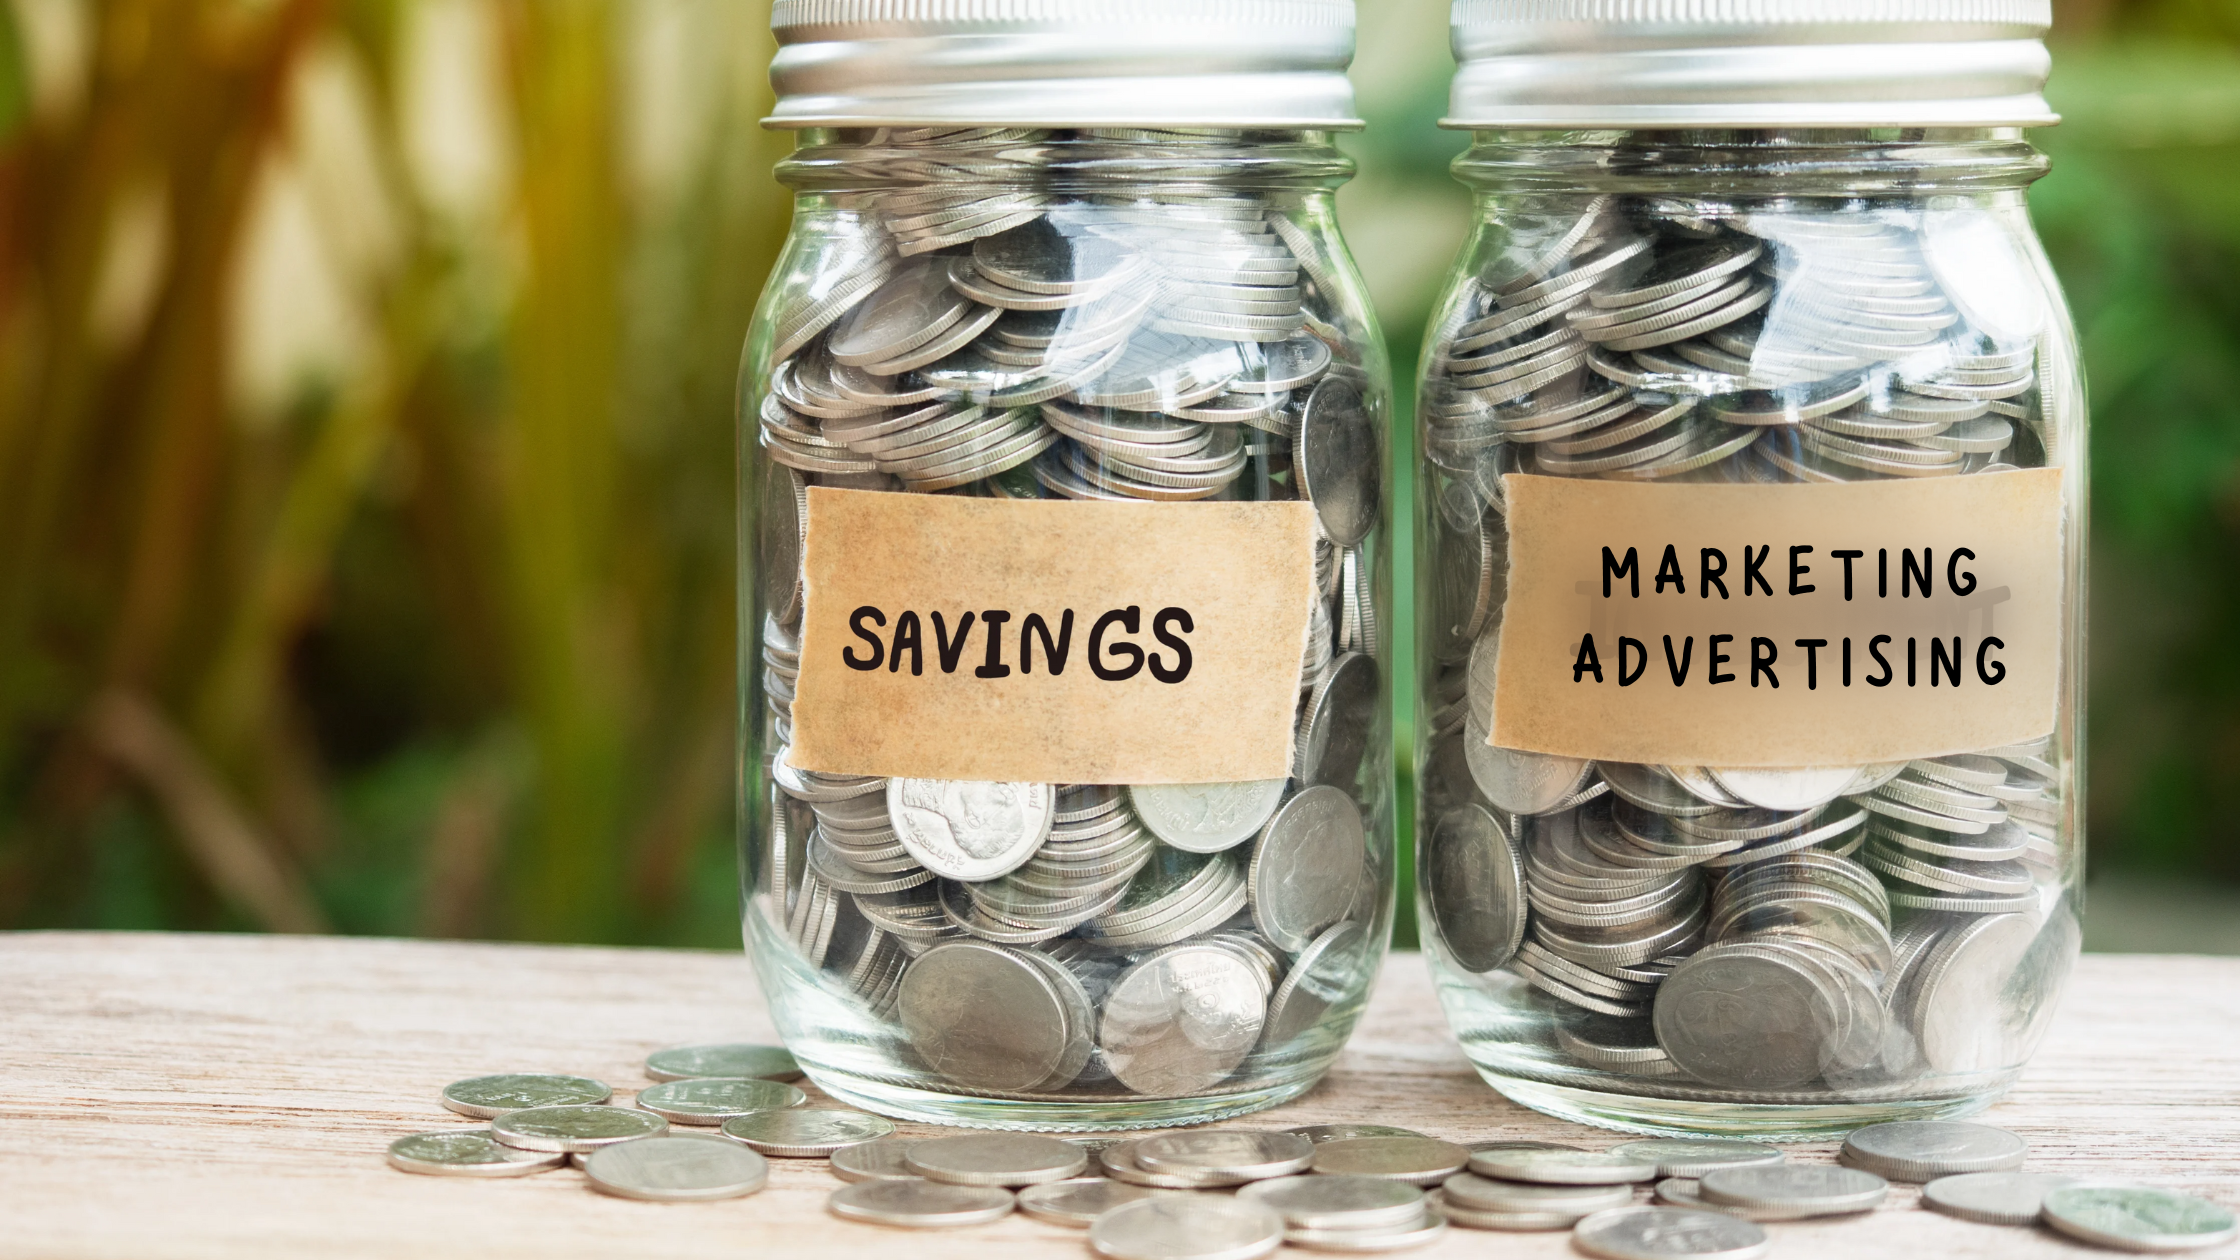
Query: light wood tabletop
{"x": 231, "y": 1096}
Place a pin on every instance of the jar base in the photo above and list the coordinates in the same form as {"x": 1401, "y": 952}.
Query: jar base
{"x": 902, "y": 1102}
{"x": 1669, "y": 1117}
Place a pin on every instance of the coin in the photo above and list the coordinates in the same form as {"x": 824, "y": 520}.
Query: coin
{"x": 1232, "y": 1155}
{"x": 467, "y": 1153}
{"x": 1418, "y": 1160}
{"x": 1425, "y": 1228}
{"x": 574, "y": 1127}
{"x": 915, "y": 1203}
{"x": 996, "y": 1159}
{"x": 1474, "y": 885}
{"x": 948, "y": 997}
{"x": 1486, "y": 1194}
{"x": 1662, "y": 1233}
{"x": 1307, "y": 867}
{"x": 678, "y": 1063}
{"x": 712, "y": 1099}
{"x": 1078, "y": 1201}
{"x": 1922, "y": 1150}
{"x": 1747, "y": 1016}
{"x": 885, "y": 1159}
{"x": 1693, "y": 1157}
{"x": 1186, "y": 1227}
{"x": 676, "y": 1169}
{"x": 1207, "y": 817}
{"x": 1181, "y": 1020}
{"x": 2137, "y": 1218}
{"x": 1562, "y": 1168}
{"x": 805, "y": 1133}
{"x": 966, "y": 830}
{"x": 1330, "y": 968}
{"x": 1992, "y": 1198}
{"x": 487, "y": 1097}
{"x": 1338, "y": 1202}
{"x": 1795, "y": 1191}
{"x": 1341, "y": 466}
{"x": 1320, "y": 1133}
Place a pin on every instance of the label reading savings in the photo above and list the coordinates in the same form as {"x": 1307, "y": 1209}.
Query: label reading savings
{"x": 1051, "y": 642}
{"x": 1750, "y": 625}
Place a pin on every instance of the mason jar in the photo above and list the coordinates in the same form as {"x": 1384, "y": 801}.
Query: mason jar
{"x": 1065, "y": 577}
{"x": 1751, "y": 571}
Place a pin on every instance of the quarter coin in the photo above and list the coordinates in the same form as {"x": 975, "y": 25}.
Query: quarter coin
{"x": 1993, "y": 1198}
{"x": 467, "y": 1153}
{"x": 1340, "y": 467}
{"x": 1562, "y": 1168}
{"x": 884, "y": 1160}
{"x": 680, "y": 1063}
{"x": 966, "y": 830}
{"x": 575, "y": 1128}
{"x": 996, "y": 1159}
{"x": 1795, "y": 1191}
{"x": 1693, "y": 1157}
{"x": 1234, "y": 1155}
{"x": 2138, "y": 1218}
{"x": 710, "y": 1100}
{"x": 1922, "y": 1150}
{"x": 676, "y": 1169}
{"x": 1078, "y": 1201}
{"x": 798, "y": 1134}
{"x": 916, "y": 1203}
{"x": 1207, "y": 817}
{"x": 1307, "y": 867}
{"x": 1475, "y": 886}
{"x": 486, "y": 1097}
{"x": 1665, "y": 1233}
{"x": 1425, "y": 1228}
{"x": 1485, "y": 1194}
{"x": 1417, "y": 1160}
{"x": 1338, "y": 1202}
{"x": 1187, "y": 1227}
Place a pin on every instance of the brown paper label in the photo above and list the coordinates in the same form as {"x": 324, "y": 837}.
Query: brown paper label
{"x": 1051, "y": 642}
{"x": 1755, "y": 625}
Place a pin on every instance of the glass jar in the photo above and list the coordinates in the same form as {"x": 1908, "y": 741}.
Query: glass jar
{"x": 1752, "y": 574}
{"x": 1067, "y": 799}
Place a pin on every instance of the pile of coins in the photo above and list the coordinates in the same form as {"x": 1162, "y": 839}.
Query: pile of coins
{"x": 975, "y": 327}
{"x": 1207, "y": 1193}
{"x": 1888, "y": 925}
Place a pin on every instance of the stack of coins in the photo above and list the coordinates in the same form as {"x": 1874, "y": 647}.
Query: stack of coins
{"x": 978, "y": 329}
{"x": 1872, "y": 915}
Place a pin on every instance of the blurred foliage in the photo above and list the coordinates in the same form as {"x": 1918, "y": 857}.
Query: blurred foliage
{"x": 366, "y": 545}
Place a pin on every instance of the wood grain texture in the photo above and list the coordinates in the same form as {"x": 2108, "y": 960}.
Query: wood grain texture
{"x": 227, "y": 1096}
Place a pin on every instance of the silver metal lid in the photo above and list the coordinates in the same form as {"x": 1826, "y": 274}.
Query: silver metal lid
{"x": 1063, "y": 63}
{"x": 1750, "y": 63}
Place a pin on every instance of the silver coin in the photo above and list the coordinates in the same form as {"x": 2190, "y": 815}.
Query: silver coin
{"x": 467, "y": 1153}
{"x": 915, "y": 1203}
{"x": 1340, "y": 462}
{"x": 1078, "y": 1201}
{"x": 1693, "y": 1157}
{"x": 951, "y": 997}
{"x": 1320, "y": 1133}
{"x": 1417, "y": 1160}
{"x": 1562, "y": 1168}
{"x": 799, "y": 1134}
{"x": 1425, "y": 1228}
{"x": 1487, "y": 1194}
{"x": 1795, "y": 1191}
{"x": 996, "y": 1159}
{"x": 1207, "y": 817}
{"x": 883, "y": 1160}
{"x": 969, "y": 830}
{"x": 1232, "y": 1155}
{"x": 1792, "y": 789}
{"x": 1922, "y": 1150}
{"x": 1334, "y": 735}
{"x": 575, "y": 1128}
{"x": 1338, "y": 1202}
{"x": 1307, "y": 867}
{"x": 711, "y": 1100}
{"x": 487, "y": 1097}
{"x": 676, "y": 1169}
{"x": 680, "y": 1063}
{"x": 1187, "y": 1227}
{"x": 1512, "y": 1222}
{"x": 1474, "y": 886}
{"x": 1992, "y": 1198}
{"x": 2137, "y": 1218}
{"x": 1330, "y": 969}
{"x": 1667, "y": 1233}
{"x": 1959, "y": 1012}
{"x": 1749, "y": 1017}
{"x": 1119, "y": 1163}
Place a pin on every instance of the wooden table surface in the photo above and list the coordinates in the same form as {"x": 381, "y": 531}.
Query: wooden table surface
{"x": 189, "y": 1096}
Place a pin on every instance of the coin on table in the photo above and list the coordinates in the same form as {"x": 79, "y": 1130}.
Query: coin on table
{"x": 2137, "y": 1218}
{"x": 1419, "y": 1161}
{"x": 1337, "y": 1202}
{"x": 1320, "y": 1133}
{"x": 1207, "y": 817}
{"x": 1666, "y": 1233}
{"x": 1794, "y": 1191}
{"x": 965, "y": 830}
{"x": 916, "y": 1203}
{"x": 1562, "y": 1168}
{"x": 1508, "y": 1222}
{"x": 488, "y": 1097}
{"x": 1922, "y": 1150}
{"x": 1993, "y": 1198}
{"x": 1307, "y": 867}
{"x": 884, "y": 1160}
{"x": 1187, "y": 1227}
{"x": 676, "y": 1169}
{"x": 1425, "y": 1228}
{"x": 1693, "y": 1157}
{"x": 996, "y": 1159}
{"x": 1486, "y": 1194}
{"x": 1119, "y": 1163}
{"x": 684, "y": 1063}
{"x": 467, "y": 1153}
{"x": 805, "y": 1133}
{"x": 575, "y": 1128}
{"x": 1078, "y": 1201}
{"x": 710, "y": 1100}
{"x": 1233, "y": 1155}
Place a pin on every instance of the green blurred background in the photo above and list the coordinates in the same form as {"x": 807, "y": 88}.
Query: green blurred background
{"x": 365, "y": 451}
